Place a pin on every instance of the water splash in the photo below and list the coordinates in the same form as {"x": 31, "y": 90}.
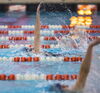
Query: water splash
{"x": 76, "y": 39}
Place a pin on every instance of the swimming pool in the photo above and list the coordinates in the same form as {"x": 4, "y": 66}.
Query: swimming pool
{"x": 45, "y": 66}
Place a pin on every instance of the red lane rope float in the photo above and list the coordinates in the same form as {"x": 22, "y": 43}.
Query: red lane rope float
{"x": 26, "y": 59}
{"x": 79, "y": 59}
{"x": 58, "y": 77}
{"x": 44, "y": 26}
{"x": 4, "y": 46}
{"x": 14, "y": 26}
{"x": 38, "y": 77}
{"x": 45, "y": 38}
{"x": 61, "y": 31}
{"x": 23, "y": 59}
{"x": 55, "y": 32}
{"x": 74, "y": 76}
{"x": 66, "y": 59}
{"x": 37, "y": 59}
{"x": 17, "y": 38}
{"x": 94, "y": 26}
{"x": 61, "y": 77}
{"x": 53, "y": 38}
{"x": 11, "y": 77}
{"x": 28, "y": 32}
{"x": 49, "y": 77}
{"x": 93, "y": 37}
{"x": 93, "y": 31}
{"x": 46, "y": 46}
{"x": 42, "y": 46}
{"x": 67, "y": 26}
{"x": 16, "y": 59}
{"x": 29, "y": 59}
{"x": 49, "y": 38}
{"x": 4, "y": 32}
{"x": 72, "y": 59}
{"x": 3, "y": 77}
{"x": 47, "y": 26}
{"x": 65, "y": 77}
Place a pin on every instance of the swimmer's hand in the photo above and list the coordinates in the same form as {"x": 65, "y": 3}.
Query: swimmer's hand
{"x": 95, "y": 42}
{"x": 38, "y": 8}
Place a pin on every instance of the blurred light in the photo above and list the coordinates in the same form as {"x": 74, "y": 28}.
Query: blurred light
{"x": 88, "y": 12}
{"x": 81, "y": 7}
{"x": 73, "y": 18}
{"x": 81, "y": 19}
{"x": 81, "y": 12}
{"x": 89, "y": 20}
{"x": 88, "y": 23}
{"x": 17, "y": 8}
{"x": 73, "y": 22}
{"x": 88, "y": 17}
{"x": 80, "y": 23}
{"x": 86, "y": 9}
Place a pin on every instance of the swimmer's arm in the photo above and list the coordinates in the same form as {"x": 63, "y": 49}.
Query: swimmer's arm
{"x": 84, "y": 70}
{"x": 37, "y": 31}
{"x": 85, "y": 66}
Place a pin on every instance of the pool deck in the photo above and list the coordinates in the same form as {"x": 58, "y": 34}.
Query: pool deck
{"x": 49, "y": 1}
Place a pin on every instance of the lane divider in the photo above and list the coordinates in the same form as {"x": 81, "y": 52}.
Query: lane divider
{"x": 32, "y": 26}
{"x": 93, "y": 31}
{"x": 17, "y": 45}
{"x": 47, "y": 46}
{"x": 17, "y": 38}
{"x": 28, "y": 32}
{"x": 46, "y": 26}
{"x": 42, "y": 26}
{"x": 3, "y": 32}
{"x": 50, "y": 32}
{"x": 94, "y": 26}
{"x": 31, "y": 38}
{"x": 4, "y": 46}
{"x": 38, "y": 77}
{"x": 41, "y": 59}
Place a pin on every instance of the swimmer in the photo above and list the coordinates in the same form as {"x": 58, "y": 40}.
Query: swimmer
{"x": 37, "y": 45}
{"x": 80, "y": 38}
{"x": 85, "y": 67}
{"x": 36, "y": 48}
{"x": 84, "y": 71}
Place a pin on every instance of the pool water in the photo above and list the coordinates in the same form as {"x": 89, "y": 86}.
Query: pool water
{"x": 45, "y": 67}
